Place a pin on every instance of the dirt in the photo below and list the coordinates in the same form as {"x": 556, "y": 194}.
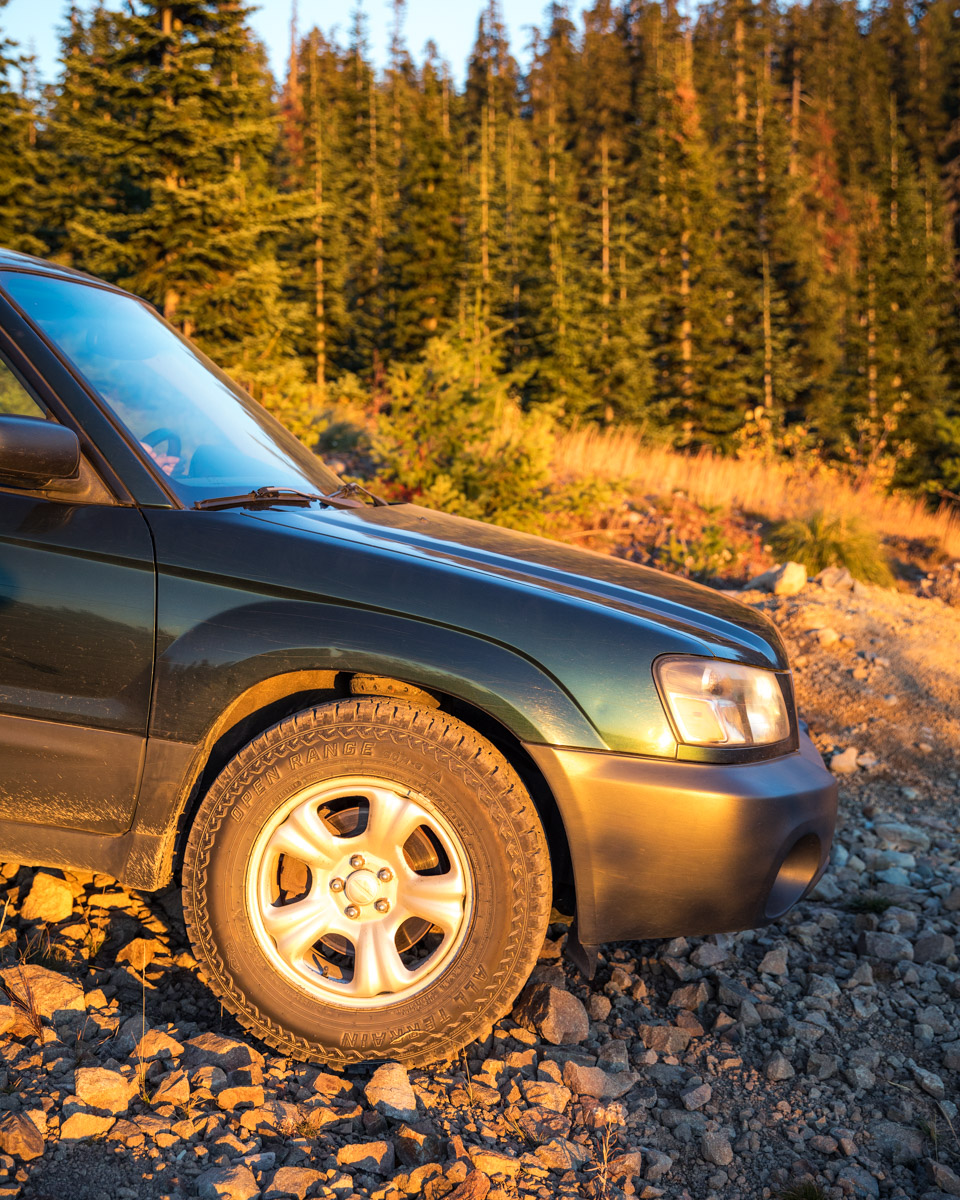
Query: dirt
{"x": 891, "y": 683}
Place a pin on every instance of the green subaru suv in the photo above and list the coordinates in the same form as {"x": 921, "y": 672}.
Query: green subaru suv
{"x": 374, "y": 744}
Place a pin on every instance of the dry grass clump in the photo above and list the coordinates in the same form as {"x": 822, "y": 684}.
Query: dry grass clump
{"x": 827, "y": 540}
{"x": 774, "y": 489}
{"x": 805, "y": 1189}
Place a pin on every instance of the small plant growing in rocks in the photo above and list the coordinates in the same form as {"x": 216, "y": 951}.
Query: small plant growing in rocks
{"x": 869, "y": 902}
{"x": 96, "y": 926}
{"x": 806, "y": 1189}
{"x": 604, "y": 1144}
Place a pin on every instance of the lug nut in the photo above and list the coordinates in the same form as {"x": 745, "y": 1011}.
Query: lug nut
{"x": 384, "y": 874}
{"x": 336, "y": 885}
{"x": 382, "y": 906}
{"x": 352, "y": 912}
{"x": 356, "y": 862}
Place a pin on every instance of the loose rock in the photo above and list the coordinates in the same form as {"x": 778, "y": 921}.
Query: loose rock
{"x": 416, "y": 1145}
{"x": 665, "y": 1039}
{"x": 19, "y": 1137}
{"x": 49, "y": 994}
{"x": 933, "y": 947}
{"x": 374, "y": 1157}
{"x": 888, "y": 947}
{"x": 557, "y": 1016}
{"x": 716, "y": 1149}
{"x": 212, "y": 1050}
{"x": 774, "y": 962}
{"x": 389, "y": 1092}
{"x": 778, "y": 1067}
{"x": 845, "y": 763}
{"x": 291, "y": 1181}
{"x": 696, "y": 1096}
{"x": 942, "y": 1177}
{"x": 50, "y": 899}
{"x": 228, "y": 1183}
{"x": 106, "y": 1091}
{"x": 140, "y": 953}
{"x": 82, "y": 1125}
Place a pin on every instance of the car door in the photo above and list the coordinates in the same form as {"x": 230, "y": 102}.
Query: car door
{"x": 77, "y": 630}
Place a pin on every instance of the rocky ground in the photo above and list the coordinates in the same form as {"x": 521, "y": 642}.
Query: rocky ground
{"x": 818, "y": 1057}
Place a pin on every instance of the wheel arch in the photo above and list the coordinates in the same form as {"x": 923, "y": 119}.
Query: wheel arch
{"x": 273, "y": 699}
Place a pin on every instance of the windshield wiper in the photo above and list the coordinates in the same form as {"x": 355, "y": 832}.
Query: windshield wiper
{"x": 343, "y": 497}
{"x": 349, "y": 490}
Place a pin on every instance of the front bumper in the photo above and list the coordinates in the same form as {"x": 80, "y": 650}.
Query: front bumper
{"x": 666, "y": 848}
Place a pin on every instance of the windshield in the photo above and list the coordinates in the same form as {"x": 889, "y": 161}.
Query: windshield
{"x": 201, "y": 431}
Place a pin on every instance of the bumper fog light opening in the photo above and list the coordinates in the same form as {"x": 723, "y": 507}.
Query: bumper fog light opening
{"x": 797, "y": 871}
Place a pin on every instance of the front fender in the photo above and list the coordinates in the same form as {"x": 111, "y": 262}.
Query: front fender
{"x": 233, "y": 643}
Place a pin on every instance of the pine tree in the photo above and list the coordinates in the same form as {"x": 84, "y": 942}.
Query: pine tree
{"x": 666, "y": 219}
{"x": 186, "y": 136}
{"x": 770, "y": 303}
{"x": 362, "y": 123}
{"x": 18, "y": 157}
{"x": 78, "y": 107}
{"x": 494, "y": 164}
{"x": 312, "y": 253}
{"x": 422, "y": 252}
{"x": 685, "y": 215}
{"x": 555, "y": 318}
{"x": 609, "y": 270}
{"x": 897, "y": 391}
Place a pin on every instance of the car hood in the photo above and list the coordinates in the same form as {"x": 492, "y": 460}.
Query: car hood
{"x": 722, "y": 625}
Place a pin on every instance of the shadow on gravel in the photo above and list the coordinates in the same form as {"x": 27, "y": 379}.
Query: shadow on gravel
{"x": 95, "y": 1171}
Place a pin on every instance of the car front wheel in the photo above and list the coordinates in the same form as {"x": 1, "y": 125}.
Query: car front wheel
{"x": 366, "y": 880}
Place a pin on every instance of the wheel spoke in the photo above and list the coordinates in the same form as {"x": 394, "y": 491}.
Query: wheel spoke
{"x": 295, "y": 927}
{"x": 391, "y": 822}
{"x": 435, "y": 898}
{"x": 377, "y": 966}
{"x": 305, "y": 836}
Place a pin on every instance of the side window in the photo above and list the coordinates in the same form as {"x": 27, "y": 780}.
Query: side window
{"x": 15, "y": 400}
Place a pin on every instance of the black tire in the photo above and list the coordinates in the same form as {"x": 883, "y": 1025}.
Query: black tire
{"x": 478, "y": 796}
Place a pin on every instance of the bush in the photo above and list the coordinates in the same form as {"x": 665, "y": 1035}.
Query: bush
{"x": 702, "y": 557}
{"x": 452, "y": 435}
{"x": 823, "y": 540}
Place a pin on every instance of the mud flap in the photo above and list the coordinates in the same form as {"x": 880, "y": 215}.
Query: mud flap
{"x": 584, "y": 958}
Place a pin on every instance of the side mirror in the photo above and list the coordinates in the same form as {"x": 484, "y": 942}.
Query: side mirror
{"x": 34, "y": 453}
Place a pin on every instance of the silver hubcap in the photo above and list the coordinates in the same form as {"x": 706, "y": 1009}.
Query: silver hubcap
{"x": 359, "y": 890}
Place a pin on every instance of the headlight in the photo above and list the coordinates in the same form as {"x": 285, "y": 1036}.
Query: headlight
{"x": 715, "y": 703}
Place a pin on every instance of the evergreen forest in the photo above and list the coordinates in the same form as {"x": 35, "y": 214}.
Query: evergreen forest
{"x": 744, "y": 219}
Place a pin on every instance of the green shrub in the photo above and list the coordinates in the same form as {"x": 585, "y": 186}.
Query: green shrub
{"x": 453, "y": 436}
{"x": 824, "y": 540}
{"x": 703, "y": 556}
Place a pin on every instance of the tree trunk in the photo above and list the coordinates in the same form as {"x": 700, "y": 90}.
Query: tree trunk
{"x": 605, "y": 235}
{"x": 171, "y": 297}
{"x": 894, "y": 165}
{"x": 319, "y": 298}
{"x": 763, "y": 234}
